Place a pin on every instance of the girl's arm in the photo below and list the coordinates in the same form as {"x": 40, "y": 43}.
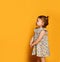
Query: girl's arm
{"x": 31, "y": 40}
{"x": 39, "y": 38}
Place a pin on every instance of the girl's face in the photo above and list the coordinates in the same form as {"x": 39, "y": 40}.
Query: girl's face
{"x": 39, "y": 22}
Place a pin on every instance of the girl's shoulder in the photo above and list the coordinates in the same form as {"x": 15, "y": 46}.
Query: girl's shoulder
{"x": 40, "y": 29}
{"x": 44, "y": 29}
{"x": 46, "y": 32}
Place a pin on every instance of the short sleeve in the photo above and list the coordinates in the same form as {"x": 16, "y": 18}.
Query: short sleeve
{"x": 44, "y": 29}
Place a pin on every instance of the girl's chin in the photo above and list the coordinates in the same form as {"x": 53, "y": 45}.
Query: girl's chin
{"x": 37, "y": 25}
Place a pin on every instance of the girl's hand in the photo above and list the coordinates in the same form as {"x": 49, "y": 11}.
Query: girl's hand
{"x": 31, "y": 45}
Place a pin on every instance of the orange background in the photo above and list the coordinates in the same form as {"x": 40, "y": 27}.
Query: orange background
{"x": 17, "y": 21}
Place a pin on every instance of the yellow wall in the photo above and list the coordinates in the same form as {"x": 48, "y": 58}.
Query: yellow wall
{"x": 17, "y": 21}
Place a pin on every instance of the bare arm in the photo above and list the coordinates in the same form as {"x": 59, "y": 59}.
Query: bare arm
{"x": 39, "y": 38}
{"x": 31, "y": 40}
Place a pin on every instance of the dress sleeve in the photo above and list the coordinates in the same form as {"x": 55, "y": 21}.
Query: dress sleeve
{"x": 42, "y": 30}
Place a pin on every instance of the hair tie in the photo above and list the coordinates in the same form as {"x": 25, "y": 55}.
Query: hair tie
{"x": 47, "y": 16}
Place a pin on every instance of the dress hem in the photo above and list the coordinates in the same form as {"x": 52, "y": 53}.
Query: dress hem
{"x": 41, "y": 56}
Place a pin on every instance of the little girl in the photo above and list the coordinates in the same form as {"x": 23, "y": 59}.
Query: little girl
{"x": 39, "y": 40}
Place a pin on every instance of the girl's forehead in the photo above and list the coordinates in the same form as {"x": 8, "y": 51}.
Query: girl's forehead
{"x": 39, "y": 19}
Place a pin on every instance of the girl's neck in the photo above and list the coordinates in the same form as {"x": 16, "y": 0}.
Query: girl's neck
{"x": 40, "y": 26}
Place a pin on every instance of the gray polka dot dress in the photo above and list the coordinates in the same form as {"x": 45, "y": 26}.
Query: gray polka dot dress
{"x": 42, "y": 48}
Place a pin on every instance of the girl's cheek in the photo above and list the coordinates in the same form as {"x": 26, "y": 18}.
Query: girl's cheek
{"x": 38, "y": 23}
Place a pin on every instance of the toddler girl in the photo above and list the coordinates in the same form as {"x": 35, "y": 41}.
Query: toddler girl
{"x": 39, "y": 40}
